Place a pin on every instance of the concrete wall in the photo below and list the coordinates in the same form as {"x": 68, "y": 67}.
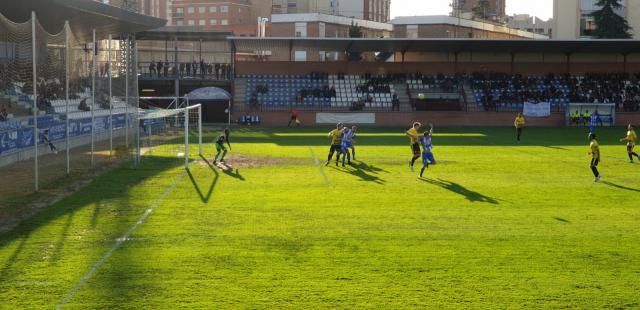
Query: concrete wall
{"x": 566, "y": 19}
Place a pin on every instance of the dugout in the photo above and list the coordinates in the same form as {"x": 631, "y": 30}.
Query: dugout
{"x": 216, "y": 104}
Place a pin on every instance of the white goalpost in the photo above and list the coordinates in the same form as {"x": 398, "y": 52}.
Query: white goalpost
{"x": 169, "y": 117}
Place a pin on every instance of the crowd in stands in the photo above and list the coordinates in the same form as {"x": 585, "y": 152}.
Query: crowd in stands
{"x": 498, "y": 88}
{"x": 221, "y": 71}
{"x": 621, "y": 89}
{"x": 4, "y": 113}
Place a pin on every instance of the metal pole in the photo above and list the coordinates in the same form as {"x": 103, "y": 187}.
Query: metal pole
{"x": 186, "y": 136}
{"x": 126, "y": 92}
{"x": 229, "y": 113}
{"x": 93, "y": 96}
{"x": 35, "y": 101}
{"x": 200, "y": 130}
{"x": 110, "y": 100}
{"x": 137, "y": 100}
{"x": 68, "y": 64}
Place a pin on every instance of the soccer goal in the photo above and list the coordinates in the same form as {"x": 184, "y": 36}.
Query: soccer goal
{"x": 168, "y": 127}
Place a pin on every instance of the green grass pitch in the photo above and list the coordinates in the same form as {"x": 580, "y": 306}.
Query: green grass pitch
{"x": 493, "y": 225}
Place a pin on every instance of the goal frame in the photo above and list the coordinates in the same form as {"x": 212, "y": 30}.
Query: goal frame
{"x": 179, "y": 105}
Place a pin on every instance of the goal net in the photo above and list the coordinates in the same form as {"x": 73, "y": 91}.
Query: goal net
{"x": 168, "y": 128}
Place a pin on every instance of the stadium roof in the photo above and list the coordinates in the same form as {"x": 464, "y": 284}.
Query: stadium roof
{"x": 183, "y": 34}
{"x": 439, "y": 45}
{"x": 83, "y": 16}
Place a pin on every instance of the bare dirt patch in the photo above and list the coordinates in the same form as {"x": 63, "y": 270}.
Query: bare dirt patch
{"x": 244, "y": 161}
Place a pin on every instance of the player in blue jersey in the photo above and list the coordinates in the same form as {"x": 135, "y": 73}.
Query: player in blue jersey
{"x": 427, "y": 147}
{"x": 347, "y": 143}
{"x": 353, "y": 142}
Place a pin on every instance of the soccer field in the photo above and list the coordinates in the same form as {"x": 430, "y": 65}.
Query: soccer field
{"x": 492, "y": 225}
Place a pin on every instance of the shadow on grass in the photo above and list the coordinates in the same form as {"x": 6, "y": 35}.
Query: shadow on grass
{"x": 111, "y": 186}
{"x": 559, "y": 219}
{"x": 621, "y": 187}
{"x": 361, "y": 174}
{"x": 461, "y": 190}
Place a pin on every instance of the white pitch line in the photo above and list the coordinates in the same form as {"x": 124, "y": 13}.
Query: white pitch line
{"x": 73, "y": 292}
{"x": 317, "y": 161}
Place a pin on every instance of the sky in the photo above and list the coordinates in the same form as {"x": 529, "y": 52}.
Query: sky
{"x": 540, "y": 8}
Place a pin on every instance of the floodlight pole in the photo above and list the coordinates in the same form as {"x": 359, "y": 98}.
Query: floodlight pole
{"x": 66, "y": 78}
{"x": 126, "y": 91}
{"x": 35, "y": 100}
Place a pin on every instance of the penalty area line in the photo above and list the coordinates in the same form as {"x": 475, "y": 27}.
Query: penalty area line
{"x": 73, "y": 292}
{"x": 319, "y": 165}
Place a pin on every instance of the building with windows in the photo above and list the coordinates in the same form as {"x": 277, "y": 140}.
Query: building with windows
{"x": 496, "y": 12}
{"x": 526, "y": 22}
{"x": 317, "y": 25}
{"x": 372, "y": 10}
{"x": 572, "y": 18}
{"x": 442, "y": 26}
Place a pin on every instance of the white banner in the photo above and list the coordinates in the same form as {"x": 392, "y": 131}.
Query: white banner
{"x": 540, "y": 109}
{"x": 347, "y": 118}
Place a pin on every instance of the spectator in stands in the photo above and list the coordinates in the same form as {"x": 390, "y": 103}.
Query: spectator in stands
{"x": 166, "y": 68}
{"x": 182, "y": 69}
{"x": 217, "y": 67}
{"x": 188, "y": 65}
{"x": 152, "y": 68}
{"x": 395, "y": 102}
{"x": 3, "y": 114}
{"x": 202, "y": 68}
{"x": 83, "y": 105}
{"x": 194, "y": 67}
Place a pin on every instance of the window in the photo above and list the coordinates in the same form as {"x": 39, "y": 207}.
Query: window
{"x": 412, "y": 31}
{"x": 180, "y": 23}
{"x": 179, "y": 11}
{"x": 191, "y": 10}
{"x": 323, "y": 56}
{"x": 300, "y": 56}
{"x": 202, "y": 10}
{"x": 322, "y": 29}
{"x": 301, "y": 30}
{"x": 224, "y": 22}
{"x": 224, "y": 9}
{"x": 213, "y": 22}
{"x": 192, "y": 22}
{"x": 213, "y": 9}
{"x": 202, "y": 22}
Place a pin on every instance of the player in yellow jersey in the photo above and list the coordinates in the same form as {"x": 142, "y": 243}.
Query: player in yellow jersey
{"x": 336, "y": 143}
{"x": 519, "y": 124}
{"x": 631, "y": 143}
{"x": 414, "y": 140}
{"x": 594, "y": 151}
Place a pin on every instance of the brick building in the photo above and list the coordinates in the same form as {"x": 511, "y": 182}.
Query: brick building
{"x": 497, "y": 8}
{"x": 372, "y": 10}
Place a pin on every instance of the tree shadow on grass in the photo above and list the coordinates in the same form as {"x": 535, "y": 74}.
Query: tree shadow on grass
{"x": 461, "y": 190}
{"x": 621, "y": 187}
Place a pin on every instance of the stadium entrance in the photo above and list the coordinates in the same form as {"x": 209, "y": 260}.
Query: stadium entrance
{"x": 216, "y": 103}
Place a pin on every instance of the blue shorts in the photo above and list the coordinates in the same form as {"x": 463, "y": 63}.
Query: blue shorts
{"x": 428, "y": 158}
{"x": 346, "y": 145}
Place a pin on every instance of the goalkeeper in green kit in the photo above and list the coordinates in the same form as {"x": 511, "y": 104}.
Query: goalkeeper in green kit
{"x": 220, "y": 148}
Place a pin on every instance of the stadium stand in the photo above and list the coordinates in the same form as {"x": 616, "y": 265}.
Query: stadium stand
{"x": 319, "y": 91}
{"x": 498, "y": 91}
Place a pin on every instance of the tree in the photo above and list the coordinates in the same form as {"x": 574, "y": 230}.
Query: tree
{"x": 355, "y": 31}
{"x": 481, "y": 10}
{"x": 610, "y": 25}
